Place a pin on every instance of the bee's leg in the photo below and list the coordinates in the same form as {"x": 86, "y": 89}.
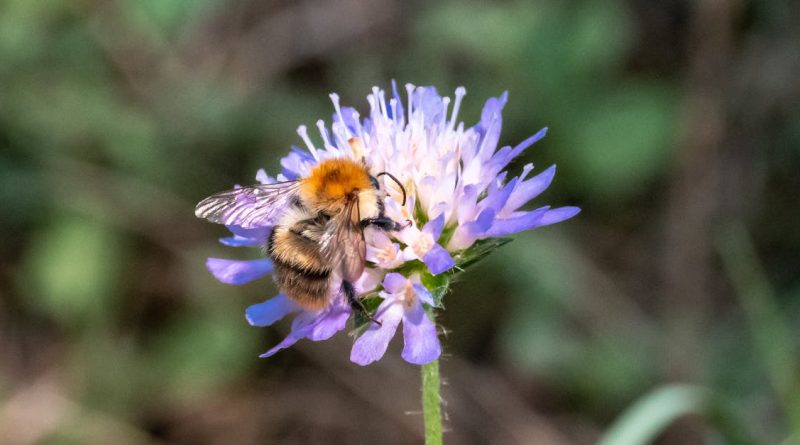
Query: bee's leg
{"x": 355, "y": 303}
{"x": 385, "y": 223}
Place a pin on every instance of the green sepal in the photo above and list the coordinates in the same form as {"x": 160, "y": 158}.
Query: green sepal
{"x": 420, "y": 216}
{"x": 447, "y": 233}
{"x": 362, "y": 320}
{"x": 437, "y": 285}
{"x": 410, "y": 268}
{"x": 478, "y": 251}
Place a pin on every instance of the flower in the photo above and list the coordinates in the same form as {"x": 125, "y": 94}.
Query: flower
{"x": 460, "y": 198}
{"x": 402, "y": 300}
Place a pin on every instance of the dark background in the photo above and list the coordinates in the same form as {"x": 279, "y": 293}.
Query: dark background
{"x": 675, "y": 126}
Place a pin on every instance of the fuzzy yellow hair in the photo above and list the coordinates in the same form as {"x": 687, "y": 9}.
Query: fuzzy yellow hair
{"x": 333, "y": 180}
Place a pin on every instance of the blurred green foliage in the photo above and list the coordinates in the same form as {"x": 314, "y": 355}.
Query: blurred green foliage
{"x": 117, "y": 116}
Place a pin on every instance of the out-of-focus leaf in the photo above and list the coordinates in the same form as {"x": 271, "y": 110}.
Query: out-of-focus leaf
{"x": 73, "y": 268}
{"x": 107, "y": 372}
{"x": 771, "y": 334}
{"x": 549, "y": 298}
{"x": 478, "y": 29}
{"x": 648, "y": 417}
{"x": 619, "y": 145}
{"x": 200, "y": 351}
{"x": 536, "y": 270}
{"x": 598, "y": 37}
{"x": 165, "y": 18}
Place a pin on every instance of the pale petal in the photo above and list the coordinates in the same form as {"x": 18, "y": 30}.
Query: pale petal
{"x": 369, "y": 280}
{"x": 394, "y": 283}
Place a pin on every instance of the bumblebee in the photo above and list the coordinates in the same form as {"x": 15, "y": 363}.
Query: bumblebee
{"x": 318, "y": 226}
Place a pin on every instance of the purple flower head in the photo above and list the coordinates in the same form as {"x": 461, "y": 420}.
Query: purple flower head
{"x": 459, "y": 196}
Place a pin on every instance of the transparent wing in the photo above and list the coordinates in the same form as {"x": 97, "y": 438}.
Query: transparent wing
{"x": 249, "y": 207}
{"x": 343, "y": 242}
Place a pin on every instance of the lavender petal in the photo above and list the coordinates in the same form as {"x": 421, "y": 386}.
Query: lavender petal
{"x": 530, "y": 189}
{"x": 238, "y": 272}
{"x": 270, "y": 311}
{"x": 558, "y": 215}
{"x": 434, "y": 227}
{"x": 394, "y": 282}
{"x": 526, "y": 221}
{"x": 438, "y": 260}
{"x": 420, "y": 340}
{"x": 372, "y": 344}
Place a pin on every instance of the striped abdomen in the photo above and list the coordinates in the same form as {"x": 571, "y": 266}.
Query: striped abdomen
{"x": 299, "y": 269}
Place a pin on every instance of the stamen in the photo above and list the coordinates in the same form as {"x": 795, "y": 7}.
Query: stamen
{"x": 372, "y": 105}
{"x": 446, "y": 104}
{"x": 381, "y": 99}
{"x": 359, "y": 127}
{"x": 335, "y": 99}
{"x": 303, "y": 132}
{"x": 324, "y": 133}
{"x": 460, "y": 93}
{"x": 525, "y": 170}
{"x": 410, "y": 93}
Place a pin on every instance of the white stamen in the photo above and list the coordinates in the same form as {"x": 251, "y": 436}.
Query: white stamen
{"x": 359, "y": 128}
{"x": 409, "y": 93}
{"x": 335, "y": 99}
{"x": 381, "y": 101}
{"x": 525, "y": 170}
{"x": 325, "y": 140}
{"x": 372, "y": 105}
{"x": 446, "y": 105}
{"x": 460, "y": 93}
{"x": 377, "y": 98}
{"x": 303, "y": 132}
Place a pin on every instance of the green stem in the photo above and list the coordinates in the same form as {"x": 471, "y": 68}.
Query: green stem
{"x": 432, "y": 403}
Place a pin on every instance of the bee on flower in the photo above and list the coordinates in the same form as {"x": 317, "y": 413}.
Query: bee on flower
{"x": 379, "y": 215}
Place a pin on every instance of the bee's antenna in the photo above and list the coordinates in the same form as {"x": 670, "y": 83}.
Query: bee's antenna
{"x": 396, "y": 182}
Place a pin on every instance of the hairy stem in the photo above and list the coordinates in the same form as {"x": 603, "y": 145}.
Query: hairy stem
{"x": 432, "y": 403}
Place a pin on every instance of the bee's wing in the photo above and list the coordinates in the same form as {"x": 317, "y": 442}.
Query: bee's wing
{"x": 343, "y": 242}
{"x": 248, "y": 207}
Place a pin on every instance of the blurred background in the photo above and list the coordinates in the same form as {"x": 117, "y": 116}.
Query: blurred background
{"x": 667, "y": 309}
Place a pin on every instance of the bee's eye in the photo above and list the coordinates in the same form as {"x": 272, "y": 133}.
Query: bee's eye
{"x": 374, "y": 182}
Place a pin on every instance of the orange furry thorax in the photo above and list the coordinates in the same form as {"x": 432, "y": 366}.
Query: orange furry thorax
{"x": 333, "y": 180}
